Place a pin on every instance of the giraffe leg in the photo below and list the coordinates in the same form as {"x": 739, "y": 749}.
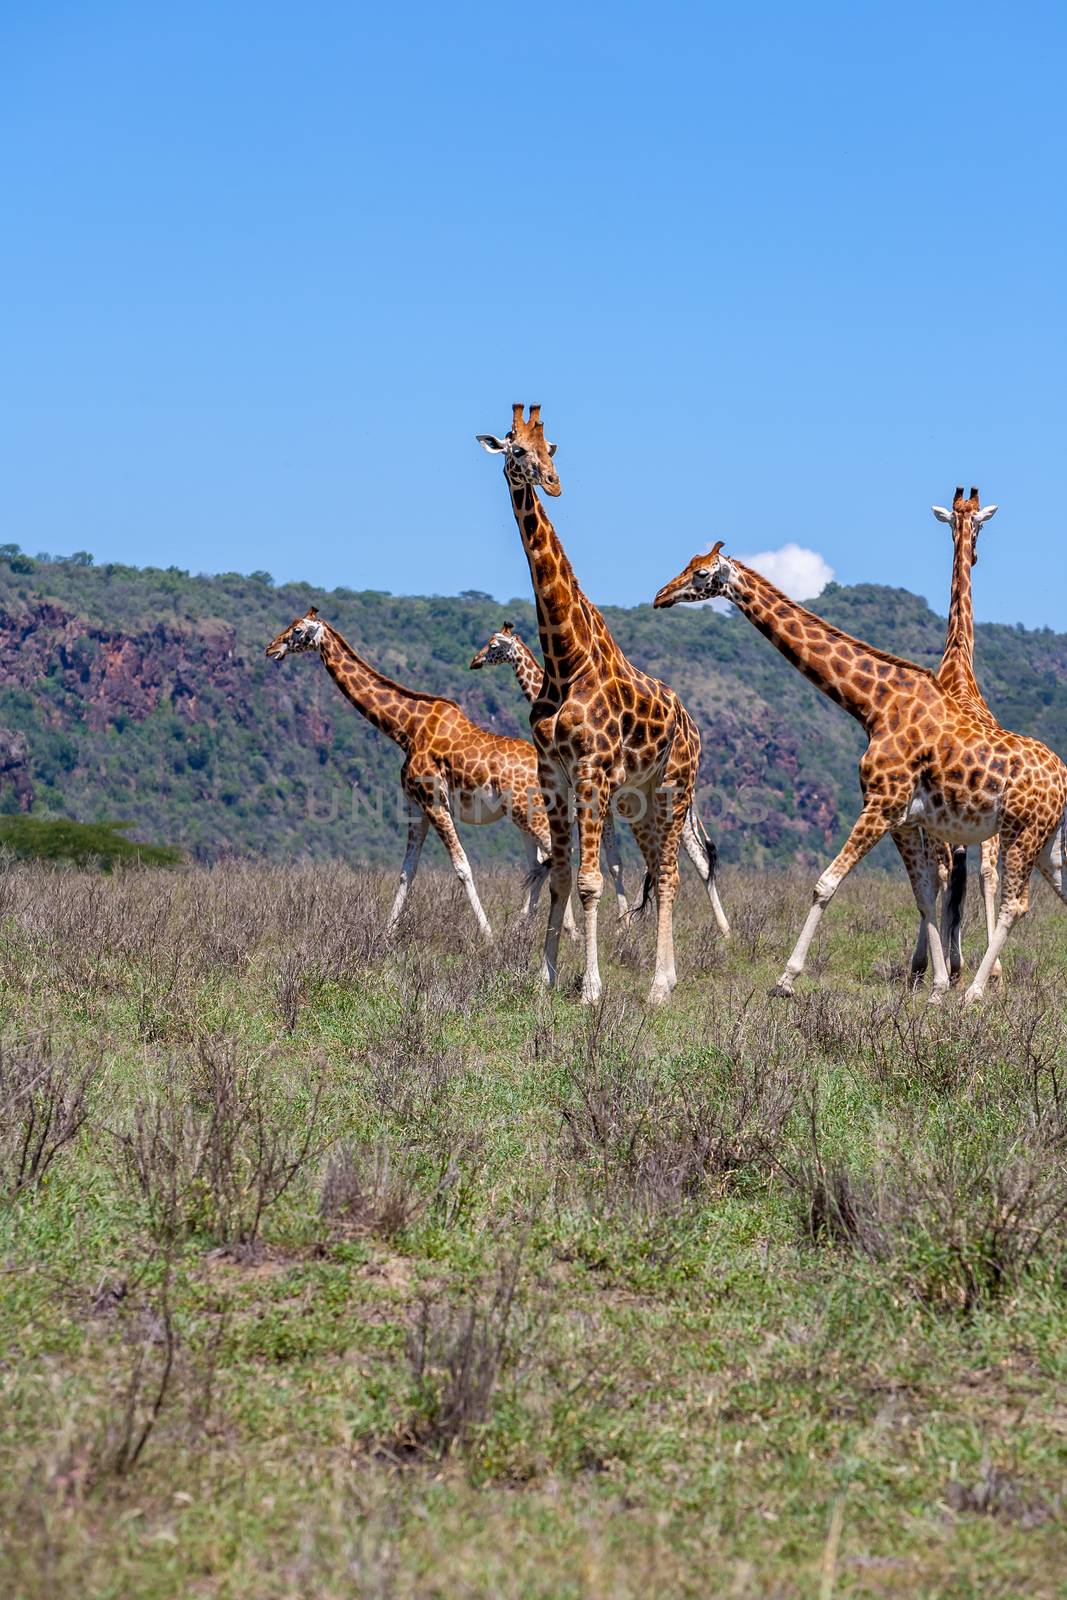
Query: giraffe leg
{"x": 704, "y": 856}
{"x": 1052, "y": 861}
{"x": 559, "y": 881}
{"x": 922, "y": 864}
{"x": 539, "y": 865}
{"x": 609, "y": 850}
{"x": 920, "y": 958}
{"x": 1021, "y": 855}
{"x": 989, "y": 872}
{"x": 591, "y": 795}
{"x": 659, "y": 839}
{"x": 445, "y": 828}
{"x": 665, "y": 976}
{"x": 418, "y": 826}
{"x": 870, "y": 826}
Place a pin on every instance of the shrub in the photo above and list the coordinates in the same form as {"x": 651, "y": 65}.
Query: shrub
{"x": 83, "y": 843}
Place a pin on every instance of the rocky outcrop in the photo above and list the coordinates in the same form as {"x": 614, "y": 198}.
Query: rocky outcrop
{"x": 15, "y": 769}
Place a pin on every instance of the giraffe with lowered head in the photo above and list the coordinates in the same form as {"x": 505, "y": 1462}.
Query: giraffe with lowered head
{"x": 933, "y": 767}
{"x": 505, "y": 645}
{"x": 452, "y": 768}
{"x": 605, "y": 732}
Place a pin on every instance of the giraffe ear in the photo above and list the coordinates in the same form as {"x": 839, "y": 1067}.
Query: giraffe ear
{"x": 490, "y": 442}
{"x": 552, "y": 449}
{"x": 984, "y": 515}
{"x": 941, "y": 514}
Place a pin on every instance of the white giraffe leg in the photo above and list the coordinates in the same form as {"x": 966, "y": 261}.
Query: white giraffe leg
{"x": 1052, "y": 861}
{"x": 1005, "y": 922}
{"x": 703, "y": 857}
{"x": 989, "y": 872}
{"x": 418, "y": 826}
{"x": 870, "y": 826}
{"x": 592, "y": 800}
{"x": 1021, "y": 856}
{"x": 445, "y": 828}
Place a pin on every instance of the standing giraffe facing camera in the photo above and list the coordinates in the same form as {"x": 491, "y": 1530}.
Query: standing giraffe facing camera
{"x": 956, "y": 671}
{"x": 603, "y": 730}
{"x": 505, "y": 645}
{"x": 933, "y": 767}
{"x": 452, "y": 768}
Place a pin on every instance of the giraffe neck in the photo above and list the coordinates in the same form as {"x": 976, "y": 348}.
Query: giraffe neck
{"x": 392, "y": 709}
{"x": 565, "y": 618}
{"x": 956, "y": 672}
{"x": 846, "y": 670}
{"x": 528, "y": 670}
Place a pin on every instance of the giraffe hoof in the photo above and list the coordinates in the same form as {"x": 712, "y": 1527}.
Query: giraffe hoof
{"x": 937, "y": 997}
{"x": 973, "y": 996}
{"x": 783, "y": 989}
{"x": 592, "y": 995}
{"x": 659, "y": 994}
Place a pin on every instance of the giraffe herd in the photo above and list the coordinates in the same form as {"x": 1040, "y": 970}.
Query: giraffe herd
{"x": 938, "y": 774}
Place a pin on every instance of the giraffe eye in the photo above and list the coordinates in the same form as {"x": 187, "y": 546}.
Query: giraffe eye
{"x": 518, "y": 451}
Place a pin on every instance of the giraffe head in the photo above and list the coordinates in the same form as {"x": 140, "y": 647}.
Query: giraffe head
{"x": 706, "y": 576}
{"x": 502, "y": 646}
{"x": 527, "y": 453}
{"x": 303, "y": 634}
{"x": 967, "y": 515}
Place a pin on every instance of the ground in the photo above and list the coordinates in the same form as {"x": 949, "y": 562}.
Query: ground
{"x": 330, "y": 1267}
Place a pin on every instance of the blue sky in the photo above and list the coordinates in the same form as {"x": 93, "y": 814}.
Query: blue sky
{"x": 776, "y": 273}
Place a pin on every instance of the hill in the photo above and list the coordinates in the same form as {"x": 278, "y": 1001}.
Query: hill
{"x": 144, "y": 694}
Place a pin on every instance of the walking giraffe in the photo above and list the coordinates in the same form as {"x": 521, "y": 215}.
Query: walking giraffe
{"x": 932, "y": 766}
{"x": 451, "y": 766}
{"x": 956, "y": 673}
{"x": 505, "y": 645}
{"x": 602, "y": 728}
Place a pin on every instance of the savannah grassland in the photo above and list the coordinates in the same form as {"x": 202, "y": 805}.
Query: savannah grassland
{"x": 335, "y": 1268}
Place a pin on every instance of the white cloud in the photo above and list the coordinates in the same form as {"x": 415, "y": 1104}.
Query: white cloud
{"x": 800, "y": 573}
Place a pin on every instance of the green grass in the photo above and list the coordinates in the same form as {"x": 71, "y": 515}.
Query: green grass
{"x": 446, "y": 1287}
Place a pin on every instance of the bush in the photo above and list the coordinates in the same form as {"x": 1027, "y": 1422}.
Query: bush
{"x": 83, "y": 843}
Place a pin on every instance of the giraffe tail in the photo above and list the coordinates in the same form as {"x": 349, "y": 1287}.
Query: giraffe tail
{"x": 646, "y": 897}
{"x": 957, "y": 886}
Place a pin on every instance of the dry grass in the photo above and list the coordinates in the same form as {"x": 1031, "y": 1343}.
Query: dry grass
{"x": 334, "y": 1264}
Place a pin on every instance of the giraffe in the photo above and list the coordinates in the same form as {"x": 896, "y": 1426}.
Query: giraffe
{"x": 505, "y": 645}
{"x": 956, "y": 671}
{"x": 451, "y": 766}
{"x": 603, "y": 730}
{"x": 932, "y": 767}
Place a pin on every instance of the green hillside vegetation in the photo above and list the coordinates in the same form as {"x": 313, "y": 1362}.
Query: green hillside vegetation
{"x": 85, "y": 844}
{"x": 145, "y": 693}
